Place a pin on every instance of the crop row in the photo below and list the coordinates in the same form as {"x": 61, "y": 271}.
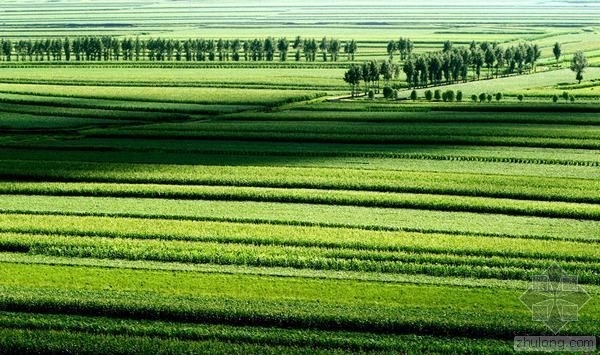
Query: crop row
{"x": 309, "y": 215}
{"x": 299, "y": 236}
{"x": 416, "y": 128}
{"x": 199, "y": 84}
{"x": 56, "y": 113}
{"x": 295, "y": 338}
{"x": 312, "y": 196}
{"x": 27, "y": 123}
{"x": 440, "y": 183}
{"x": 499, "y": 267}
{"x": 51, "y": 103}
{"x": 549, "y": 156}
{"x": 112, "y": 156}
{"x": 262, "y": 97}
{"x": 224, "y": 151}
{"x": 317, "y": 137}
{"x": 270, "y": 301}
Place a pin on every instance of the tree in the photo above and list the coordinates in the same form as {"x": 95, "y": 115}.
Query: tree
{"x": 555, "y": 98}
{"x": 236, "y": 45}
{"x": 282, "y": 47}
{"x": 364, "y": 71}
{"x": 374, "y": 74}
{"x": 557, "y": 52}
{"x": 482, "y": 97}
{"x": 350, "y": 49}
{"x": 269, "y": 49}
{"x": 386, "y": 71}
{"x": 477, "y": 63}
{"x": 437, "y": 95}
{"x": 499, "y": 96}
{"x": 388, "y": 92}
{"x": 413, "y": 95}
{"x": 353, "y": 77}
{"x": 490, "y": 58}
{"x": 578, "y": 64}
{"x": 421, "y": 68}
{"x": 499, "y": 52}
{"x": 409, "y": 70}
{"x": 324, "y": 47}
{"x": 459, "y": 96}
{"x": 565, "y": 96}
{"x": 447, "y": 46}
{"x": 428, "y": 95}
{"x": 334, "y": 49}
{"x": 67, "y": 49}
{"x": 520, "y": 97}
{"x": 391, "y": 48}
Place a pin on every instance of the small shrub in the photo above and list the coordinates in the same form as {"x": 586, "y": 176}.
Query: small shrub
{"x": 371, "y": 94}
{"x": 555, "y": 98}
{"x": 413, "y": 95}
{"x": 482, "y": 97}
{"x": 565, "y": 96}
{"x": 474, "y": 98}
{"x": 490, "y": 97}
{"x": 396, "y": 94}
{"x": 520, "y": 97}
{"x": 498, "y": 96}
{"x": 428, "y": 95}
{"x": 437, "y": 95}
{"x": 444, "y": 96}
{"x": 572, "y": 98}
{"x": 459, "y": 96}
{"x": 450, "y": 95}
{"x": 388, "y": 92}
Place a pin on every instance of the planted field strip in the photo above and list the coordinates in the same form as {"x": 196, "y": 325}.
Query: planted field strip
{"x": 565, "y": 248}
{"x": 14, "y": 122}
{"x": 226, "y": 149}
{"x": 40, "y": 103}
{"x": 441, "y": 183}
{"x": 488, "y": 134}
{"x": 310, "y": 339}
{"x": 289, "y": 302}
{"x": 304, "y": 214}
{"x": 312, "y": 196}
{"x": 168, "y": 94}
{"x": 307, "y": 77}
{"x": 443, "y": 264}
{"x": 386, "y": 113}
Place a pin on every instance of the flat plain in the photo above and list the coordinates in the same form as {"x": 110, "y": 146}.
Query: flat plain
{"x": 254, "y": 207}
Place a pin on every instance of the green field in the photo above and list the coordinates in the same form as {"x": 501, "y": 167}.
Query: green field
{"x": 253, "y": 207}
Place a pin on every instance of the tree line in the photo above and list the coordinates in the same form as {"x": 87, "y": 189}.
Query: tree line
{"x": 108, "y": 48}
{"x": 452, "y": 63}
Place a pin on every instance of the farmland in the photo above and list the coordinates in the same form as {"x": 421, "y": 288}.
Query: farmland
{"x": 222, "y": 206}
